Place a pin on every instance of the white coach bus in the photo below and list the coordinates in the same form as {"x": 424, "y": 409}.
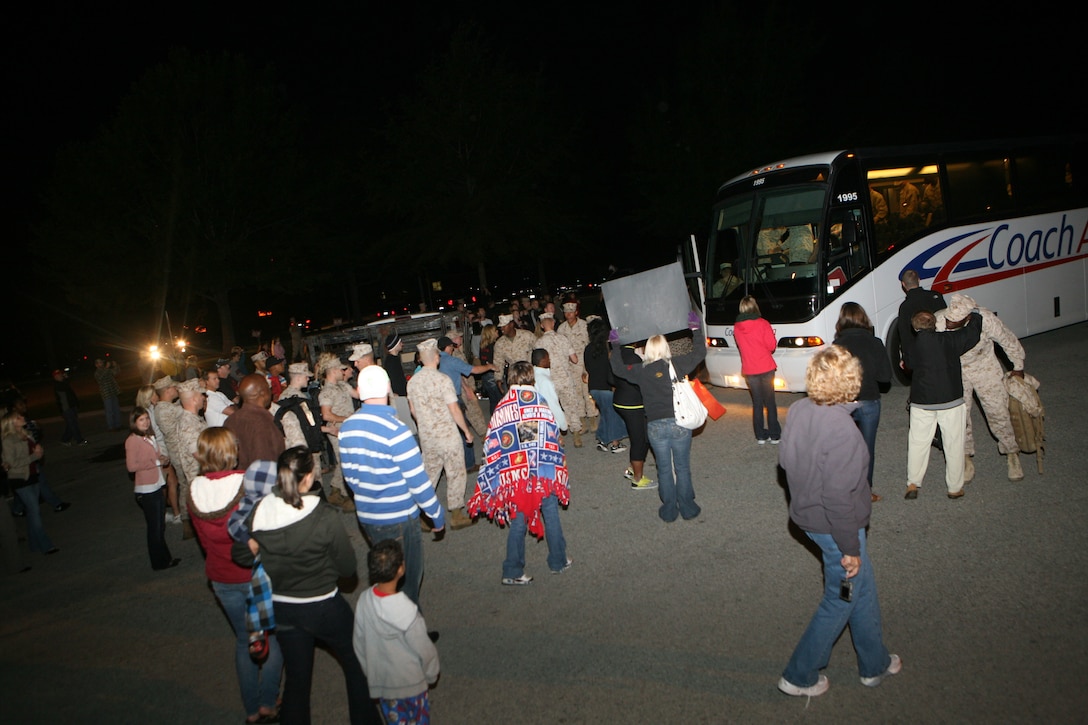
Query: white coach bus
{"x": 1005, "y": 222}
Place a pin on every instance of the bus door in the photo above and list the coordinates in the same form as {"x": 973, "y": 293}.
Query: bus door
{"x": 846, "y": 250}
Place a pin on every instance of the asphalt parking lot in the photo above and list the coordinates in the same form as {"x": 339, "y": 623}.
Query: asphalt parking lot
{"x": 984, "y": 597}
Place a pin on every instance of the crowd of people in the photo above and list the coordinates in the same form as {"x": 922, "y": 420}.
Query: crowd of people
{"x": 258, "y": 464}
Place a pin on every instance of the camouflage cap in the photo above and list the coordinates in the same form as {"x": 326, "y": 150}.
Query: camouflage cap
{"x": 192, "y": 385}
{"x": 358, "y": 352}
{"x": 299, "y": 368}
{"x": 959, "y": 307}
{"x": 165, "y": 382}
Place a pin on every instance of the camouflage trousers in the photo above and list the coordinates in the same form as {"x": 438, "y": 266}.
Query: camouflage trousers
{"x": 986, "y": 380}
{"x": 183, "y": 492}
{"x": 336, "y": 476}
{"x": 572, "y": 403}
{"x": 446, "y": 452}
{"x": 473, "y": 412}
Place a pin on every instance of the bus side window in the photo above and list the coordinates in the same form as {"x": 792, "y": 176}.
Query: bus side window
{"x": 1045, "y": 176}
{"x": 978, "y": 187}
{"x": 883, "y": 230}
{"x": 932, "y": 201}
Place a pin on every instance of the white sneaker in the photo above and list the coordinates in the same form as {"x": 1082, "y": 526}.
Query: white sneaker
{"x": 565, "y": 567}
{"x": 812, "y": 691}
{"x": 173, "y": 518}
{"x": 893, "y": 669}
{"x": 517, "y": 581}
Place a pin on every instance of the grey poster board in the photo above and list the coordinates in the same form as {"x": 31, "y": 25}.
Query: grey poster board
{"x": 654, "y": 302}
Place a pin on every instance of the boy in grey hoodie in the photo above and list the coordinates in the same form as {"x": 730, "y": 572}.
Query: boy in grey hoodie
{"x": 391, "y": 640}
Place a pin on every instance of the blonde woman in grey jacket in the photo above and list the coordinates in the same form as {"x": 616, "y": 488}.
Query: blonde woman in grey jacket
{"x": 21, "y": 456}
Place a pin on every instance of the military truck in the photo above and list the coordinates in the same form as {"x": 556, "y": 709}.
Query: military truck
{"x": 413, "y": 329}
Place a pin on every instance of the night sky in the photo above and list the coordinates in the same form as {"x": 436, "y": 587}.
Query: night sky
{"x": 879, "y": 73}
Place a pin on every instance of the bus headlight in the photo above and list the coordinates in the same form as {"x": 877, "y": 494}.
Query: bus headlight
{"x": 797, "y": 343}
{"x": 716, "y": 342}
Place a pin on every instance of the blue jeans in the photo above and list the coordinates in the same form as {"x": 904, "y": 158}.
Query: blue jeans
{"x": 154, "y": 507}
{"x": 514, "y": 565}
{"x": 672, "y": 451}
{"x": 35, "y": 531}
{"x": 113, "y": 413}
{"x": 299, "y": 628}
{"x": 44, "y": 494}
{"x": 411, "y": 541}
{"x": 470, "y": 454}
{"x": 761, "y": 388}
{"x": 491, "y": 390}
{"x": 862, "y": 614}
{"x": 867, "y": 416}
{"x": 470, "y": 451}
{"x": 71, "y": 433}
{"x": 260, "y": 684}
{"x": 610, "y": 427}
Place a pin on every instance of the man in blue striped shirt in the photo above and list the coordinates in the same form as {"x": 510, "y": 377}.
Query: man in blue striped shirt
{"x": 383, "y": 468}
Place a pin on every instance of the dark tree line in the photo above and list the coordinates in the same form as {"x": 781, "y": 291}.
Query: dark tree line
{"x": 207, "y": 186}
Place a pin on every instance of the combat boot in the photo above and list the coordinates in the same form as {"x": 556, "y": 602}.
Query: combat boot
{"x": 347, "y": 504}
{"x": 969, "y": 469}
{"x": 458, "y": 519}
{"x": 577, "y": 440}
{"x": 1016, "y": 473}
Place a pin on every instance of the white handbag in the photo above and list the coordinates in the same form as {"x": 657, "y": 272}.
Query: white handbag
{"x": 688, "y": 411}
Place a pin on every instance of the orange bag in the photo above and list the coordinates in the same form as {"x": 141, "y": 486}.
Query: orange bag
{"x": 713, "y": 408}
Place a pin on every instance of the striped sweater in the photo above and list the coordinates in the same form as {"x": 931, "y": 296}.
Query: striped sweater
{"x": 383, "y": 467}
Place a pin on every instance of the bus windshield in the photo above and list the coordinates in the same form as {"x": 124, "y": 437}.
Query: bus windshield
{"x": 765, "y": 243}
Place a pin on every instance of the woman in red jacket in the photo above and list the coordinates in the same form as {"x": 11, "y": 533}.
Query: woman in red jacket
{"x": 213, "y": 497}
{"x": 756, "y": 343}
{"x": 145, "y": 461}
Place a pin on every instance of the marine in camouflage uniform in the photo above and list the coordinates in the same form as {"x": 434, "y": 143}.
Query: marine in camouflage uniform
{"x": 443, "y": 430}
{"x": 299, "y": 376}
{"x": 167, "y": 413}
{"x": 335, "y": 396}
{"x": 566, "y": 376}
{"x": 515, "y": 345}
{"x": 188, "y": 427}
{"x": 576, "y": 330}
{"x": 984, "y": 375}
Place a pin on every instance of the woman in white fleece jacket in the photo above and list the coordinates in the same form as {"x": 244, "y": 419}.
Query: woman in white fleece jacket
{"x": 305, "y": 550}
{"x": 391, "y": 639}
